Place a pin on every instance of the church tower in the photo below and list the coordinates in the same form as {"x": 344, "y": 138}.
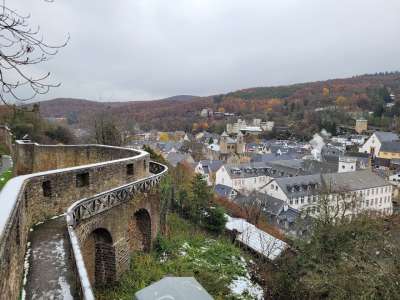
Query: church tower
{"x": 223, "y": 143}
{"x": 240, "y": 144}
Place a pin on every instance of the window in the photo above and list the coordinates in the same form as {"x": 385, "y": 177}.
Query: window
{"x": 82, "y": 179}
{"x": 291, "y": 201}
{"x": 46, "y": 186}
{"x": 302, "y": 199}
{"x": 367, "y": 203}
{"x": 129, "y": 169}
{"x": 145, "y": 165}
{"x": 296, "y": 201}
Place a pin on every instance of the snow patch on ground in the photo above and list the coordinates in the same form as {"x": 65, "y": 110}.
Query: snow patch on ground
{"x": 243, "y": 285}
{"x": 26, "y": 269}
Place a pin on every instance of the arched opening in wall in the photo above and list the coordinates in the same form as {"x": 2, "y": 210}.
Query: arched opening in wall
{"x": 99, "y": 256}
{"x": 140, "y": 227}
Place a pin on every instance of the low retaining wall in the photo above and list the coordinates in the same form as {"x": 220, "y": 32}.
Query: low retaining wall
{"x": 29, "y": 199}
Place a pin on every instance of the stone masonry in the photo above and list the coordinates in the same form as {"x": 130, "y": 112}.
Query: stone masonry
{"x": 52, "y": 193}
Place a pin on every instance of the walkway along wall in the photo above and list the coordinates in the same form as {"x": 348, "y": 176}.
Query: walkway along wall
{"x": 29, "y": 199}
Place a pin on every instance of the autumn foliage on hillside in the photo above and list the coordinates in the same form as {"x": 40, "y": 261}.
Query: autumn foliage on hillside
{"x": 282, "y": 104}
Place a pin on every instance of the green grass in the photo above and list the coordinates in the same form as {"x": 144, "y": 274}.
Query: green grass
{"x": 213, "y": 261}
{"x": 6, "y": 176}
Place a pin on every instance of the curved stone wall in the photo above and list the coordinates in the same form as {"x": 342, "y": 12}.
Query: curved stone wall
{"x": 29, "y": 199}
{"x": 115, "y": 212}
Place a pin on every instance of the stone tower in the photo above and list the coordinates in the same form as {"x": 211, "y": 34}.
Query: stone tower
{"x": 240, "y": 144}
{"x": 223, "y": 143}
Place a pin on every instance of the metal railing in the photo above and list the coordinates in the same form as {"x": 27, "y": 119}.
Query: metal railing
{"x": 89, "y": 207}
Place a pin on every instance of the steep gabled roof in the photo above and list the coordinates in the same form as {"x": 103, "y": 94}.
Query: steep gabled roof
{"x": 386, "y": 136}
{"x": 212, "y": 165}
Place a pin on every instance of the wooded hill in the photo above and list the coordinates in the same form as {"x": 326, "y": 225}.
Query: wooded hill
{"x": 283, "y": 103}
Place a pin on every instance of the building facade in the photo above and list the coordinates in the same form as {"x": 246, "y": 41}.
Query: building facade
{"x": 349, "y": 193}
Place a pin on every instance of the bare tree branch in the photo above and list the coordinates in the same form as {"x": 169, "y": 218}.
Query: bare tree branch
{"x": 21, "y": 46}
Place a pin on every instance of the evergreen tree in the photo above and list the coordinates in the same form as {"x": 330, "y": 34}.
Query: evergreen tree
{"x": 201, "y": 197}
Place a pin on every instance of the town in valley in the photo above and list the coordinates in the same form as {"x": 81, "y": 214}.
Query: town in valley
{"x": 199, "y": 150}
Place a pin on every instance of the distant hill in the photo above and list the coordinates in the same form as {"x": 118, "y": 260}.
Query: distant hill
{"x": 359, "y": 93}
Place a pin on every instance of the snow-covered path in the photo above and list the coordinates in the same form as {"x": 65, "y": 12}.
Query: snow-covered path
{"x": 50, "y": 271}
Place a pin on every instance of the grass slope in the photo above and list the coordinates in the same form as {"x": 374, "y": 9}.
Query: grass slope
{"x": 6, "y": 176}
{"x": 214, "y": 261}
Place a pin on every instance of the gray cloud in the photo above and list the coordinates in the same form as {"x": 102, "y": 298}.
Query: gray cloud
{"x": 146, "y": 49}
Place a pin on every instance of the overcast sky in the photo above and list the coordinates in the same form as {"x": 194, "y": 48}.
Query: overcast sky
{"x": 148, "y": 49}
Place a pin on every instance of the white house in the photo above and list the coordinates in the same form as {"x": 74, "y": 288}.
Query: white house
{"x": 248, "y": 177}
{"x": 208, "y": 168}
{"x": 360, "y": 190}
{"x": 373, "y": 144}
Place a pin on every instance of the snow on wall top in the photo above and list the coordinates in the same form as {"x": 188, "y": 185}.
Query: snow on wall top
{"x": 11, "y": 191}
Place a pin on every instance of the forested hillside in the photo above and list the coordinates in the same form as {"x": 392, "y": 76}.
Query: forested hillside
{"x": 284, "y": 104}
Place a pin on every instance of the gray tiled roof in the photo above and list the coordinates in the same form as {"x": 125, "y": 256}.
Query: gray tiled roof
{"x": 332, "y": 182}
{"x": 352, "y": 181}
{"x": 247, "y": 170}
{"x": 212, "y": 165}
{"x": 393, "y": 146}
{"x": 300, "y": 185}
{"x": 174, "y": 158}
{"x": 223, "y": 190}
{"x": 280, "y": 168}
{"x": 386, "y": 136}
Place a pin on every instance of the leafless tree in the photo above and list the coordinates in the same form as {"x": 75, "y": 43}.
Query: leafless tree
{"x": 334, "y": 204}
{"x": 21, "y": 46}
{"x": 252, "y": 208}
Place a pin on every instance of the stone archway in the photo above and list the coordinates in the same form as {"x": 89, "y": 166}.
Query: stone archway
{"x": 140, "y": 231}
{"x": 99, "y": 256}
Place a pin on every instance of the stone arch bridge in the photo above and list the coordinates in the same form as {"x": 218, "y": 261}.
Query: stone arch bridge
{"x": 96, "y": 205}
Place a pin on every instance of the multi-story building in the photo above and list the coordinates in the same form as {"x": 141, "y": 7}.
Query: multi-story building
{"x": 349, "y": 193}
{"x": 247, "y": 177}
{"x": 253, "y": 176}
{"x": 257, "y": 126}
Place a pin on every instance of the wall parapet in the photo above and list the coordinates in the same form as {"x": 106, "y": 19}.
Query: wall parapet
{"x": 89, "y": 207}
{"x": 24, "y": 201}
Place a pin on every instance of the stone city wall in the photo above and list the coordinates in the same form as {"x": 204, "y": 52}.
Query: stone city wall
{"x": 6, "y": 138}
{"x": 31, "y": 157}
{"x": 42, "y": 195}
